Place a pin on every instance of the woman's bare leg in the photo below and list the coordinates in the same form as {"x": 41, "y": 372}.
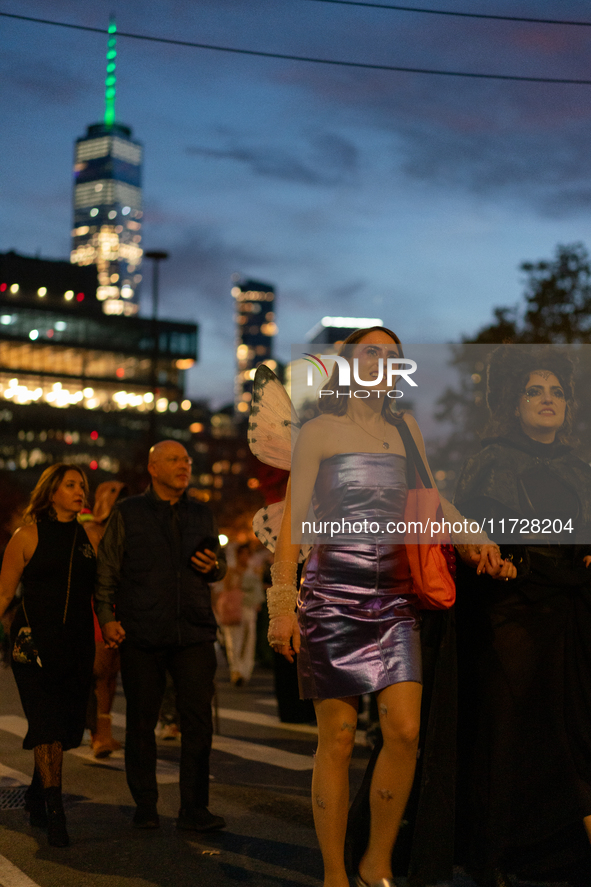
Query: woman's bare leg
{"x": 106, "y": 668}
{"x": 337, "y": 722}
{"x": 400, "y": 709}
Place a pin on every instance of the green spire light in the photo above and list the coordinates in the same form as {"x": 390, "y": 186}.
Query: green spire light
{"x": 111, "y": 80}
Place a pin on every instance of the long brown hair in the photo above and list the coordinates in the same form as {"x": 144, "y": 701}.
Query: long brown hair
{"x": 45, "y": 488}
{"x": 338, "y": 405}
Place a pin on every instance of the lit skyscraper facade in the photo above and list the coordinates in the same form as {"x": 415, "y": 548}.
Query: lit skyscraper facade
{"x": 108, "y": 203}
{"x": 255, "y": 329}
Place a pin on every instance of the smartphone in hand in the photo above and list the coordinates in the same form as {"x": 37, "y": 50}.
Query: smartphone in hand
{"x": 211, "y": 543}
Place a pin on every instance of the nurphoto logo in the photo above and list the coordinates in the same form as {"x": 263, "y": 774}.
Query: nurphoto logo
{"x": 395, "y": 369}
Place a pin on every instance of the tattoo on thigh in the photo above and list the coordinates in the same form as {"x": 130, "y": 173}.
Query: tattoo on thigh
{"x": 385, "y": 794}
{"x": 320, "y": 802}
{"x": 350, "y": 727}
{"x": 383, "y": 709}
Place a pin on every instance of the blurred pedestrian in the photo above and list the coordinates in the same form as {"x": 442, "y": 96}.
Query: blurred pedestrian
{"x": 106, "y": 660}
{"x": 159, "y": 552}
{"x": 169, "y": 718}
{"x": 240, "y": 633}
{"x": 52, "y": 636}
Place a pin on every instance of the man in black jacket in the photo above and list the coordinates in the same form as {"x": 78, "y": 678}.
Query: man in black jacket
{"x": 153, "y": 599}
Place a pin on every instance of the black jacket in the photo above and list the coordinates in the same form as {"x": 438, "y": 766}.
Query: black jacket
{"x": 144, "y": 574}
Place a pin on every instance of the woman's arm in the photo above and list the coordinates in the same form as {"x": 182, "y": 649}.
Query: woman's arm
{"x": 485, "y": 556}
{"x": 19, "y": 552}
{"x": 281, "y": 596}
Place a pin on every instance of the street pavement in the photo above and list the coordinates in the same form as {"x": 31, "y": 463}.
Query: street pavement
{"x": 261, "y": 771}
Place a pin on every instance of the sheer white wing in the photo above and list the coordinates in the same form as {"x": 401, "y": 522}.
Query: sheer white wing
{"x": 273, "y": 423}
{"x": 272, "y": 431}
{"x": 266, "y": 525}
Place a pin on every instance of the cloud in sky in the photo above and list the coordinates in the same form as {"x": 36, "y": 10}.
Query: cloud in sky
{"x": 328, "y": 159}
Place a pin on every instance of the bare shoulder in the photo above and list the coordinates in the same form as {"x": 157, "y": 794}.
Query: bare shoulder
{"x": 318, "y": 423}
{"x": 413, "y": 427}
{"x": 319, "y": 434}
{"x": 316, "y": 429}
{"x": 27, "y": 531}
{"x": 26, "y": 535}
{"x": 23, "y": 542}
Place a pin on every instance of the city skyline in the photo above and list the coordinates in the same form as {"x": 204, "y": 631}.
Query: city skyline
{"x": 352, "y": 192}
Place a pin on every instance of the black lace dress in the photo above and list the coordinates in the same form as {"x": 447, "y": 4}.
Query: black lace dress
{"x": 55, "y": 696}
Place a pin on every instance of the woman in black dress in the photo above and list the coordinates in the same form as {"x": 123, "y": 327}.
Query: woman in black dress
{"x": 54, "y": 556}
{"x": 525, "y": 646}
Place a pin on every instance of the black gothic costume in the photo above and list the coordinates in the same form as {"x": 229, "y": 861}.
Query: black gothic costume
{"x": 525, "y": 662}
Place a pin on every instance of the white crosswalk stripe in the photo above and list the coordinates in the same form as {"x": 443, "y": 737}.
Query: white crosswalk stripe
{"x": 167, "y": 771}
{"x": 10, "y": 778}
{"x": 250, "y": 751}
{"x": 10, "y": 876}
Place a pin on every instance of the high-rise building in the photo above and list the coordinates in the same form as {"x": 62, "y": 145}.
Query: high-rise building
{"x": 108, "y": 202}
{"x": 255, "y": 329}
{"x": 70, "y": 374}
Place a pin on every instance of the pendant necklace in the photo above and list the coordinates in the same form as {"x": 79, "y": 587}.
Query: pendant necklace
{"x": 385, "y": 444}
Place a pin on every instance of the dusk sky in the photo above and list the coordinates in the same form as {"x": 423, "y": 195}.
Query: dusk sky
{"x": 409, "y": 197}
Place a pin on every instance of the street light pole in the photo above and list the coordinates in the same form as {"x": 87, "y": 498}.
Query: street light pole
{"x": 157, "y": 256}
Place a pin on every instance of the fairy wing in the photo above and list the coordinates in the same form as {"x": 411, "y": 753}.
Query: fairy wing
{"x": 267, "y": 522}
{"x": 273, "y": 422}
{"x": 266, "y": 525}
{"x": 272, "y": 430}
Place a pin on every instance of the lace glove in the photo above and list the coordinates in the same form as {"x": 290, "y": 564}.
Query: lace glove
{"x": 281, "y": 601}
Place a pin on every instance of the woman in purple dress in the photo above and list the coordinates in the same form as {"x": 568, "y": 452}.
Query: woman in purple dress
{"x": 357, "y": 624}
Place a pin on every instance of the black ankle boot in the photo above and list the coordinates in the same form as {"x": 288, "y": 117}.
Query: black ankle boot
{"x": 35, "y": 803}
{"x": 57, "y": 833}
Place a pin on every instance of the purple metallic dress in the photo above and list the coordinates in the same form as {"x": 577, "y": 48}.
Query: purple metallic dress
{"x": 356, "y": 608}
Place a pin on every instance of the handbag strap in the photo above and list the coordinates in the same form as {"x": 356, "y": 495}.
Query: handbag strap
{"x": 70, "y": 572}
{"x": 413, "y": 458}
{"x": 69, "y": 580}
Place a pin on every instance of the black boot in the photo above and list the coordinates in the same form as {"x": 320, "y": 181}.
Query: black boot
{"x": 35, "y": 803}
{"x": 57, "y": 833}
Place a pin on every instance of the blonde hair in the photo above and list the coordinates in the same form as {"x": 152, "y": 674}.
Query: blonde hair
{"x": 40, "y": 502}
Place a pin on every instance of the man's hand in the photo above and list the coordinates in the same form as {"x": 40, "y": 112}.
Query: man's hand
{"x": 113, "y": 634}
{"x": 204, "y": 561}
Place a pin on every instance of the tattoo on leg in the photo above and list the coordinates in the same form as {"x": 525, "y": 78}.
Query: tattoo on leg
{"x": 383, "y": 709}
{"x": 320, "y": 802}
{"x": 350, "y": 727}
{"x": 385, "y": 794}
